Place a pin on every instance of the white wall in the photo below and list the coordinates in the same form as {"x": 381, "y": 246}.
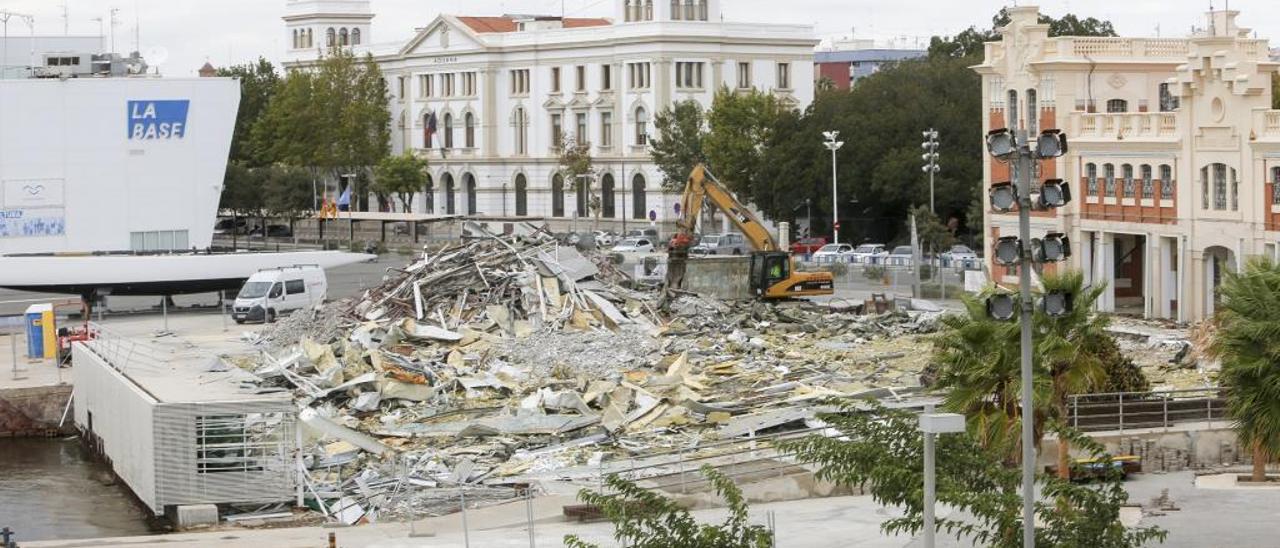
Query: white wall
{"x": 123, "y": 417}
{"x": 75, "y": 134}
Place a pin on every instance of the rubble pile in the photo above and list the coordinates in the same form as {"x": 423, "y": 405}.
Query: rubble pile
{"x": 485, "y": 364}
{"x": 1171, "y": 356}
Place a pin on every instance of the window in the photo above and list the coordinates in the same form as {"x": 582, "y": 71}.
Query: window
{"x": 555, "y": 79}
{"x": 1091, "y": 179}
{"x": 1033, "y": 114}
{"x": 580, "y": 195}
{"x": 744, "y": 75}
{"x": 606, "y": 77}
{"x": 1275, "y": 185}
{"x": 448, "y": 130}
{"x": 330, "y": 37}
{"x": 1166, "y": 182}
{"x": 606, "y": 196}
{"x": 642, "y": 126}
{"x": 342, "y": 37}
{"x": 580, "y": 78}
{"x": 606, "y": 129}
{"x": 522, "y": 195}
{"x": 784, "y": 75}
{"x": 469, "y": 129}
{"x": 424, "y": 85}
{"x": 1235, "y": 191}
{"x": 309, "y": 38}
{"x": 1204, "y": 187}
{"x": 638, "y": 207}
{"x": 469, "y": 184}
{"x": 1127, "y": 171}
{"x": 557, "y": 132}
{"x": 295, "y": 287}
{"x": 520, "y": 82}
{"x": 446, "y": 82}
{"x": 557, "y": 196}
{"x": 581, "y": 132}
{"x": 296, "y": 43}
{"x": 639, "y": 75}
{"x": 522, "y": 132}
{"x": 449, "y": 191}
{"x": 429, "y": 195}
{"x": 1148, "y": 184}
{"x": 648, "y": 10}
{"x": 355, "y": 37}
{"x": 400, "y": 87}
{"x": 1117, "y": 105}
{"x": 1013, "y": 121}
{"x": 1220, "y": 186}
{"x": 159, "y": 240}
{"x": 468, "y": 84}
{"x": 688, "y": 75}
{"x": 1168, "y": 101}
{"x": 676, "y": 12}
{"x": 226, "y": 443}
{"x": 1109, "y": 175}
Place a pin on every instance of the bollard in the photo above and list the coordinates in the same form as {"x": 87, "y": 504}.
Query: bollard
{"x": 333, "y": 540}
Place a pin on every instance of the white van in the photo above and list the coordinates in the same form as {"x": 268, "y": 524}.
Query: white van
{"x": 270, "y": 293}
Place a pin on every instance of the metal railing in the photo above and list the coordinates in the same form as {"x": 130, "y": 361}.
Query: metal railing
{"x": 121, "y": 352}
{"x": 1120, "y": 410}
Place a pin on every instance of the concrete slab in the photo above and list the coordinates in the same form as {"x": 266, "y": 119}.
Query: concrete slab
{"x": 192, "y": 515}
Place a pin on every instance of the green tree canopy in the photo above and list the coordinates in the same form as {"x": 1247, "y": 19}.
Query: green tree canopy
{"x": 740, "y": 127}
{"x": 242, "y": 191}
{"x": 290, "y": 191}
{"x": 400, "y": 176}
{"x": 258, "y": 83}
{"x": 968, "y": 43}
{"x": 681, "y": 130}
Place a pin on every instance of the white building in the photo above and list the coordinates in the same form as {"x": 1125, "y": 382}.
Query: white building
{"x": 503, "y": 91}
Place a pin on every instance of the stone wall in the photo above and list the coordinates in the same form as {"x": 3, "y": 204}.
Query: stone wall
{"x": 34, "y": 411}
{"x": 1186, "y": 446}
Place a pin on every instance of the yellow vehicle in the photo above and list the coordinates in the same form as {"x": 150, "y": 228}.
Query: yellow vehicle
{"x": 773, "y": 272}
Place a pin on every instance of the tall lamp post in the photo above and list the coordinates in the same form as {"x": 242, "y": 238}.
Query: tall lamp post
{"x": 930, "y": 157}
{"x": 1014, "y": 148}
{"x": 833, "y": 145}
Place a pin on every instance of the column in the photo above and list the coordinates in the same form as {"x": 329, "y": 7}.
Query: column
{"x": 1151, "y": 286}
{"x": 1106, "y": 271}
{"x": 1084, "y": 252}
{"x": 1168, "y": 277}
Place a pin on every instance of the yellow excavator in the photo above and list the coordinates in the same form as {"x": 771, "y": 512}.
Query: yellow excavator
{"x": 773, "y": 272}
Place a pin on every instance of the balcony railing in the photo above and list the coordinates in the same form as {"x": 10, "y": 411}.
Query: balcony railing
{"x": 1126, "y": 47}
{"x": 1266, "y": 124}
{"x": 1124, "y": 125}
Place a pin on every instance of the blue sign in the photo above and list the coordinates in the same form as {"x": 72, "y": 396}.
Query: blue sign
{"x": 155, "y": 120}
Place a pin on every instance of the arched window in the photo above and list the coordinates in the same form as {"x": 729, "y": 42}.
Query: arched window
{"x": 448, "y": 194}
{"x": 675, "y": 10}
{"x": 469, "y": 123}
{"x": 1218, "y": 172}
{"x": 310, "y": 43}
{"x": 702, "y": 10}
{"x": 648, "y": 10}
{"x": 427, "y": 130}
{"x": 1117, "y": 105}
{"x": 295, "y": 38}
{"x": 642, "y": 126}
{"x": 1127, "y": 171}
{"x": 606, "y": 196}
{"x": 330, "y": 37}
{"x": 1148, "y": 182}
{"x": 343, "y": 39}
{"x": 580, "y": 195}
{"x": 557, "y": 196}
{"x": 688, "y": 10}
{"x": 1033, "y": 114}
{"x": 1109, "y": 174}
{"x": 1091, "y": 178}
{"x": 638, "y": 207}
{"x": 1166, "y": 182}
{"x": 522, "y": 195}
{"x": 429, "y": 197}
{"x": 448, "y": 130}
{"x": 1012, "y": 121}
{"x": 355, "y": 37}
{"x": 1235, "y": 191}
{"x": 469, "y": 183}
{"x": 522, "y": 132}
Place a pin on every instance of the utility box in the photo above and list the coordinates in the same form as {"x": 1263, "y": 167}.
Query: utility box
{"x": 42, "y": 332}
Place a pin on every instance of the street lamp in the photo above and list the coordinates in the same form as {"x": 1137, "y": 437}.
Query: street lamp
{"x": 833, "y": 145}
{"x": 1014, "y": 147}
{"x": 930, "y": 157}
{"x": 932, "y": 424}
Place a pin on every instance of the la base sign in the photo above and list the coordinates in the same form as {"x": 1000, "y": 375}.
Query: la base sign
{"x": 158, "y": 120}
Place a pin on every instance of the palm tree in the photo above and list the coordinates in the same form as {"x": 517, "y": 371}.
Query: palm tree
{"x": 1247, "y": 342}
{"x": 1073, "y": 348}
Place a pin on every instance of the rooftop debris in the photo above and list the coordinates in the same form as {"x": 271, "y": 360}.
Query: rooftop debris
{"x": 487, "y": 365}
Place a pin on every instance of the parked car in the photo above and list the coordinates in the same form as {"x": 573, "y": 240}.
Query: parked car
{"x": 605, "y": 238}
{"x": 231, "y": 226}
{"x": 634, "y": 245}
{"x": 720, "y": 244}
{"x": 273, "y": 231}
{"x": 901, "y": 255}
{"x": 958, "y": 254}
{"x": 650, "y": 233}
{"x": 805, "y": 246}
{"x": 832, "y": 253}
{"x": 269, "y": 293}
{"x": 867, "y": 253}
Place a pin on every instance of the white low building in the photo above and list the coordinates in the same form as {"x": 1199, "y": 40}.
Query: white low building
{"x": 503, "y": 90}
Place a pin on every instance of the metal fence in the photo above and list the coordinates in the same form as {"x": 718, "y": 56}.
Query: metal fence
{"x": 1120, "y": 410}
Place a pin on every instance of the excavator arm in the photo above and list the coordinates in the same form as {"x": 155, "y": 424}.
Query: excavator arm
{"x": 773, "y": 273}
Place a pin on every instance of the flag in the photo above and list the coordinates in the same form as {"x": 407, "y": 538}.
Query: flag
{"x": 429, "y": 130}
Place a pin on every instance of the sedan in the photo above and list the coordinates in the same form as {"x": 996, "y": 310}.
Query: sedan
{"x": 832, "y": 253}
{"x": 901, "y": 255}
{"x": 868, "y": 253}
{"x": 634, "y": 245}
{"x": 959, "y": 254}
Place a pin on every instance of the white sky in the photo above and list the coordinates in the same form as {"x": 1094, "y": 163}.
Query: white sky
{"x": 182, "y": 34}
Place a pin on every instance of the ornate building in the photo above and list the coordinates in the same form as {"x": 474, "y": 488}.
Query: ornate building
{"x": 1174, "y": 160}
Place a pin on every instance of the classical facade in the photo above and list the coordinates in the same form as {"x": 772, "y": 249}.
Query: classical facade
{"x": 502, "y": 92}
{"x": 1174, "y": 159}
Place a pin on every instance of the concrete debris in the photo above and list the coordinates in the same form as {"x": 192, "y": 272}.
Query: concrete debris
{"x": 484, "y": 365}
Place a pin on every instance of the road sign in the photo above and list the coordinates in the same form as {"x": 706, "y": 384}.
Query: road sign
{"x": 653, "y": 215}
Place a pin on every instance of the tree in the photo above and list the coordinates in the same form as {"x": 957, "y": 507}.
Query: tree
{"x": 400, "y": 176}
{"x": 933, "y": 234}
{"x": 575, "y": 162}
{"x": 740, "y": 125}
{"x": 290, "y": 192}
{"x": 1247, "y": 341}
{"x": 258, "y": 83}
{"x": 242, "y": 191}
{"x": 644, "y": 519}
{"x": 882, "y": 451}
{"x": 677, "y": 149}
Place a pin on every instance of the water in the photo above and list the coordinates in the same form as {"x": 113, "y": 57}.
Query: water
{"x": 52, "y": 489}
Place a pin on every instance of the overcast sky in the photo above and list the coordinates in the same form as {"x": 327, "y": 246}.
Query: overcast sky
{"x": 180, "y": 35}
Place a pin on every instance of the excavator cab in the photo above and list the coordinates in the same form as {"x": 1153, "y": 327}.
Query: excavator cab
{"x": 768, "y": 268}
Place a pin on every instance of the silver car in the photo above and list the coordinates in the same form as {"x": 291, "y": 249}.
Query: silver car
{"x": 720, "y": 244}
